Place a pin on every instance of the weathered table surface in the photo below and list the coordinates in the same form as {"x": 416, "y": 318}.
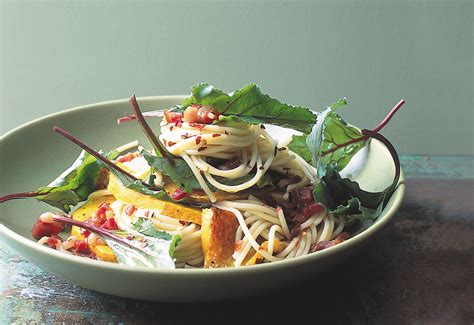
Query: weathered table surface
{"x": 418, "y": 270}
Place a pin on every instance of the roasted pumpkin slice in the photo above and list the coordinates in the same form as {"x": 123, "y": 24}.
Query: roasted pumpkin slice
{"x": 218, "y": 237}
{"x": 85, "y": 212}
{"x": 147, "y": 202}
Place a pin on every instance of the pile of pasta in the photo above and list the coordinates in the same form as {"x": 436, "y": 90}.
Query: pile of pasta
{"x": 237, "y": 228}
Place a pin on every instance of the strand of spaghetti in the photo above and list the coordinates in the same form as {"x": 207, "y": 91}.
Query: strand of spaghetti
{"x": 284, "y": 225}
{"x": 340, "y": 227}
{"x": 198, "y": 175}
{"x": 245, "y": 230}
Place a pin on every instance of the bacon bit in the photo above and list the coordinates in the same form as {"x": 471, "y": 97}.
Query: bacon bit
{"x": 198, "y": 140}
{"x": 101, "y": 212}
{"x": 128, "y": 157}
{"x": 329, "y": 243}
{"x": 130, "y": 209}
{"x": 237, "y": 245}
{"x": 295, "y": 230}
{"x": 171, "y": 143}
{"x": 311, "y": 209}
{"x": 173, "y": 117}
{"x": 110, "y": 224}
{"x": 41, "y": 229}
{"x": 202, "y": 148}
{"x": 81, "y": 247}
{"x": 215, "y": 135}
{"x": 178, "y": 194}
{"x": 53, "y": 241}
{"x": 85, "y": 233}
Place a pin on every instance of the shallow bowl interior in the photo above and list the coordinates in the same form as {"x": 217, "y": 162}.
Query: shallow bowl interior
{"x": 32, "y": 155}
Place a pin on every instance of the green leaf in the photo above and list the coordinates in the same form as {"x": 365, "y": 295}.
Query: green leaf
{"x": 330, "y": 132}
{"x": 342, "y": 196}
{"x": 251, "y": 106}
{"x": 144, "y": 251}
{"x": 74, "y": 184}
{"x": 179, "y": 172}
{"x": 299, "y": 146}
{"x": 139, "y": 187}
{"x": 146, "y": 227}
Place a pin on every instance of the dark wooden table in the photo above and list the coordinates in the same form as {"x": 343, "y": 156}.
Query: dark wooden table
{"x": 418, "y": 270}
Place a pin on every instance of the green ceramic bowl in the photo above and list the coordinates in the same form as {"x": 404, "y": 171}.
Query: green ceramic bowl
{"x": 32, "y": 155}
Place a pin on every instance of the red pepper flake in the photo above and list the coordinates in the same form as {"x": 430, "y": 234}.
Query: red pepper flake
{"x": 197, "y": 125}
{"x": 171, "y": 143}
{"x": 215, "y": 135}
{"x": 202, "y": 148}
{"x": 171, "y": 128}
{"x": 198, "y": 140}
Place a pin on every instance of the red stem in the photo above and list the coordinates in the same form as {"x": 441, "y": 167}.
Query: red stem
{"x": 149, "y": 132}
{"x": 376, "y": 129}
{"x": 92, "y": 228}
{"x": 133, "y": 117}
{"x": 389, "y": 116}
{"x": 96, "y": 154}
{"x": 21, "y": 195}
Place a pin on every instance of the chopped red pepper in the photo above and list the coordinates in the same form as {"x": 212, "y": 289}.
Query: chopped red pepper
{"x": 130, "y": 209}
{"x": 81, "y": 247}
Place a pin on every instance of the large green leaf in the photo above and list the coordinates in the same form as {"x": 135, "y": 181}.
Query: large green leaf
{"x": 74, "y": 184}
{"x": 330, "y": 140}
{"x": 251, "y": 106}
{"x": 178, "y": 171}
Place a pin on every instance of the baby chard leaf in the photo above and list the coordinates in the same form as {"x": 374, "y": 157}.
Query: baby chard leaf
{"x": 251, "y": 106}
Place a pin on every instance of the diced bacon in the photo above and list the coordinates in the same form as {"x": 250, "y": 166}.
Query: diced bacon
{"x": 110, "y": 224}
{"x": 128, "y": 157}
{"x": 130, "y": 209}
{"x": 173, "y": 117}
{"x": 41, "y": 229}
{"x": 178, "y": 194}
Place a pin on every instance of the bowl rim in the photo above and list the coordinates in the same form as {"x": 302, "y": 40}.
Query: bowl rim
{"x": 5, "y": 232}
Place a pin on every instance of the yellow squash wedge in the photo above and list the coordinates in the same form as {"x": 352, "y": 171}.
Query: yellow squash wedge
{"x": 147, "y": 202}
{"x": 85, "y": 212}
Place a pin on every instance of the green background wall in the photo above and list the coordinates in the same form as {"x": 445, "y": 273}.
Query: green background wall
{"x": 57, "y": 55}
